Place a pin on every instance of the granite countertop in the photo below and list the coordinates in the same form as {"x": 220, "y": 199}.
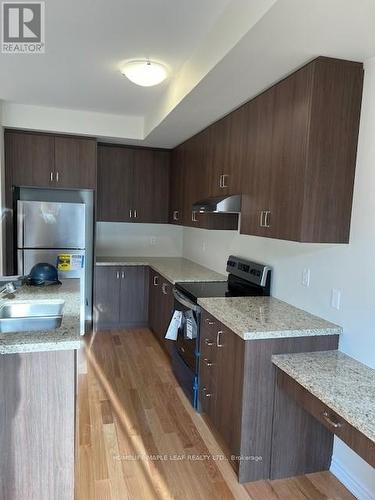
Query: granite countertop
{"x": 174, "y": 269}
{"x": 67, "y": 336}
{"x": 254, "y": 318}
{"x": 339, "y": 381}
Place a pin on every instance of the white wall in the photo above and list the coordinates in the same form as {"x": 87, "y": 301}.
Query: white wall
{"x": 142, "y": 240}
{"x": 71, "y": 121}
{"x": 349, "y": 268}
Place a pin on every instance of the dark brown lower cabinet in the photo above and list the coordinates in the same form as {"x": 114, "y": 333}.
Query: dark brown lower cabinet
{"x": 37, "y": 409}
{"x": 237, "y": 386}
{"x": 120, "y": 297}
{"x": 160, "y": 308}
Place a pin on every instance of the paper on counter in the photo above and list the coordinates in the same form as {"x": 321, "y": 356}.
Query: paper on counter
{"x": 174, "y": 325}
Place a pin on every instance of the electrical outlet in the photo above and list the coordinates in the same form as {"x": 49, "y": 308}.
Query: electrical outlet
{"x": 306, "y": 277}
{"x": 335, "y": 298}
{"x": 153, "y": 240}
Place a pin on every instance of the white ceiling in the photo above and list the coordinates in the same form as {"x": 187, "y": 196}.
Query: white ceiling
{"x": 87, "y": 39}
{"x": 222, "y": 53}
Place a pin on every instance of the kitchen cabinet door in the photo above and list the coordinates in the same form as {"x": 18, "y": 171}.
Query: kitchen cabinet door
{"x": 134, "y": 296}
{"x": 228, "y": 405}
{"x": 75, "y": 163}
{"x": 196, "y": 178}
{"x": 256, "y": 172}
{"x": 29, "y": 159}
{"x": 226, "y": 154}
{"x": 151, "y": 186}
{"x": 288, "y": 146}
{"x": 107, "y": 297}
{"x": 176, "y": 186}
{"x": 217, "y": 157}
{"x": 154, "y": 302}
{"x": 115, "y": 184}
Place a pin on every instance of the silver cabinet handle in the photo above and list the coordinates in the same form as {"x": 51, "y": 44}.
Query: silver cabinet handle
{"x": 207, "y": 394}
{"x": 176, "y": 215}
{"x": 130, "y": 214}
{"x": 218, "y": 339}
{"x": 261, "y": 219}
{"x": 267, "y": 219}
{"x": 51, "y": 176}
{"x": 207, "y": 362}
{"x": 135, "y": 214}
{"x": 223, "y": 183}
{"x": 156, "y": 281}
{"x": 57, "y": 176}
{"x": 328, "y": 419}
{"x": 208, "y": 342}
{"x": 122, "y": 274}
{"x": 164, "y": 288}
{"x": 209, "y": 322}
{"x": 118, "y": 275}
{"x": 194, "y": 216}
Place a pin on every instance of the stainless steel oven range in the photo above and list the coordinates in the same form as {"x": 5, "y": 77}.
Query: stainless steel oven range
{"x": 245, "y": 279}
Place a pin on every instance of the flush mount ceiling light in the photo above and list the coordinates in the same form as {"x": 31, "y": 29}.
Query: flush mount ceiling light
{"x": 144, "y": 72}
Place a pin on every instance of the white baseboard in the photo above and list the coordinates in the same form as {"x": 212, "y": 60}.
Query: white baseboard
{"x": 357, "y": 489}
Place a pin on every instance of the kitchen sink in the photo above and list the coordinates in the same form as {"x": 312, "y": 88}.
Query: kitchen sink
{"x": 30, "y": 315}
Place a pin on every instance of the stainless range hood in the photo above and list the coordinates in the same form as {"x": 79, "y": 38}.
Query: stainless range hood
{"x": 219, "y": 205}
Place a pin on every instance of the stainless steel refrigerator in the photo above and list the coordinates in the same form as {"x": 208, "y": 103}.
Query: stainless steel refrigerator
{"x": 46, "y": 230}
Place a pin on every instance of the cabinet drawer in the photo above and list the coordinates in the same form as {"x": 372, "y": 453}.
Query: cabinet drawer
{"x": 327, "y": 417}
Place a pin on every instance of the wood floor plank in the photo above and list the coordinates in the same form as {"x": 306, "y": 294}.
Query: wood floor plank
{"x": 328, "y": 484}
{"x": 115, "y": 475}
{"x": 138, "y": 436}
{"x": 83, "y": 412}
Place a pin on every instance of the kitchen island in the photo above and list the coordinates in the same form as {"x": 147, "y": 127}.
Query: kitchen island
{"x": 67, "y": 336}
{"x": 37, "y": 405}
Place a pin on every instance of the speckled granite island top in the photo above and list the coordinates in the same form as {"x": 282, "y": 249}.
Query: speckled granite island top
{"x": 339, "y": 381}
{"x": 67, "y": 336}
{"x": 174, "y": 269}
{"x": 254, "y": 318}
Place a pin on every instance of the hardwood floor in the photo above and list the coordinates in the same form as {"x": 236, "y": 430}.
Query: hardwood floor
{"x": 139, "y": 438}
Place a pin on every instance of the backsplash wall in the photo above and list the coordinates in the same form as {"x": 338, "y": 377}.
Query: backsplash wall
{"x": 143, "y": 240}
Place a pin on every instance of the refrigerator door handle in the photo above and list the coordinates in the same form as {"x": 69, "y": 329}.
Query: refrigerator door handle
{"x": 20, "y": 224}
{"x": 20, "y": 262}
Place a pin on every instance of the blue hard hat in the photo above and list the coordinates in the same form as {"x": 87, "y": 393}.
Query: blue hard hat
{"x": 43, "y": 274}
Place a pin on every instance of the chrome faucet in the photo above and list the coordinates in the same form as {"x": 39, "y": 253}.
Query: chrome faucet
{"x": 8, "y": 289}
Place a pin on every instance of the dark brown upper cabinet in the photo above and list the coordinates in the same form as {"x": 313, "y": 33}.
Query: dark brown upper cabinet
{"x": 290, "y": 152}
{"x": 190, "y": 184}
{"x": 44, "y": 160}
{"x": 176, "y": 187}
{"x": 75, "y": 163}
{"x": 133, "y": 184}
{"x": 151, "y": 186}
{"x": 29, "y": 159}
{"x": 224, "y": 154}
{"x": 300, "y": 154}
{"x": 115, "y": 184}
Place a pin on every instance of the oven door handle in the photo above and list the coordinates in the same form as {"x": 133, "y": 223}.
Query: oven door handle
{"x": 185, "y": 301}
